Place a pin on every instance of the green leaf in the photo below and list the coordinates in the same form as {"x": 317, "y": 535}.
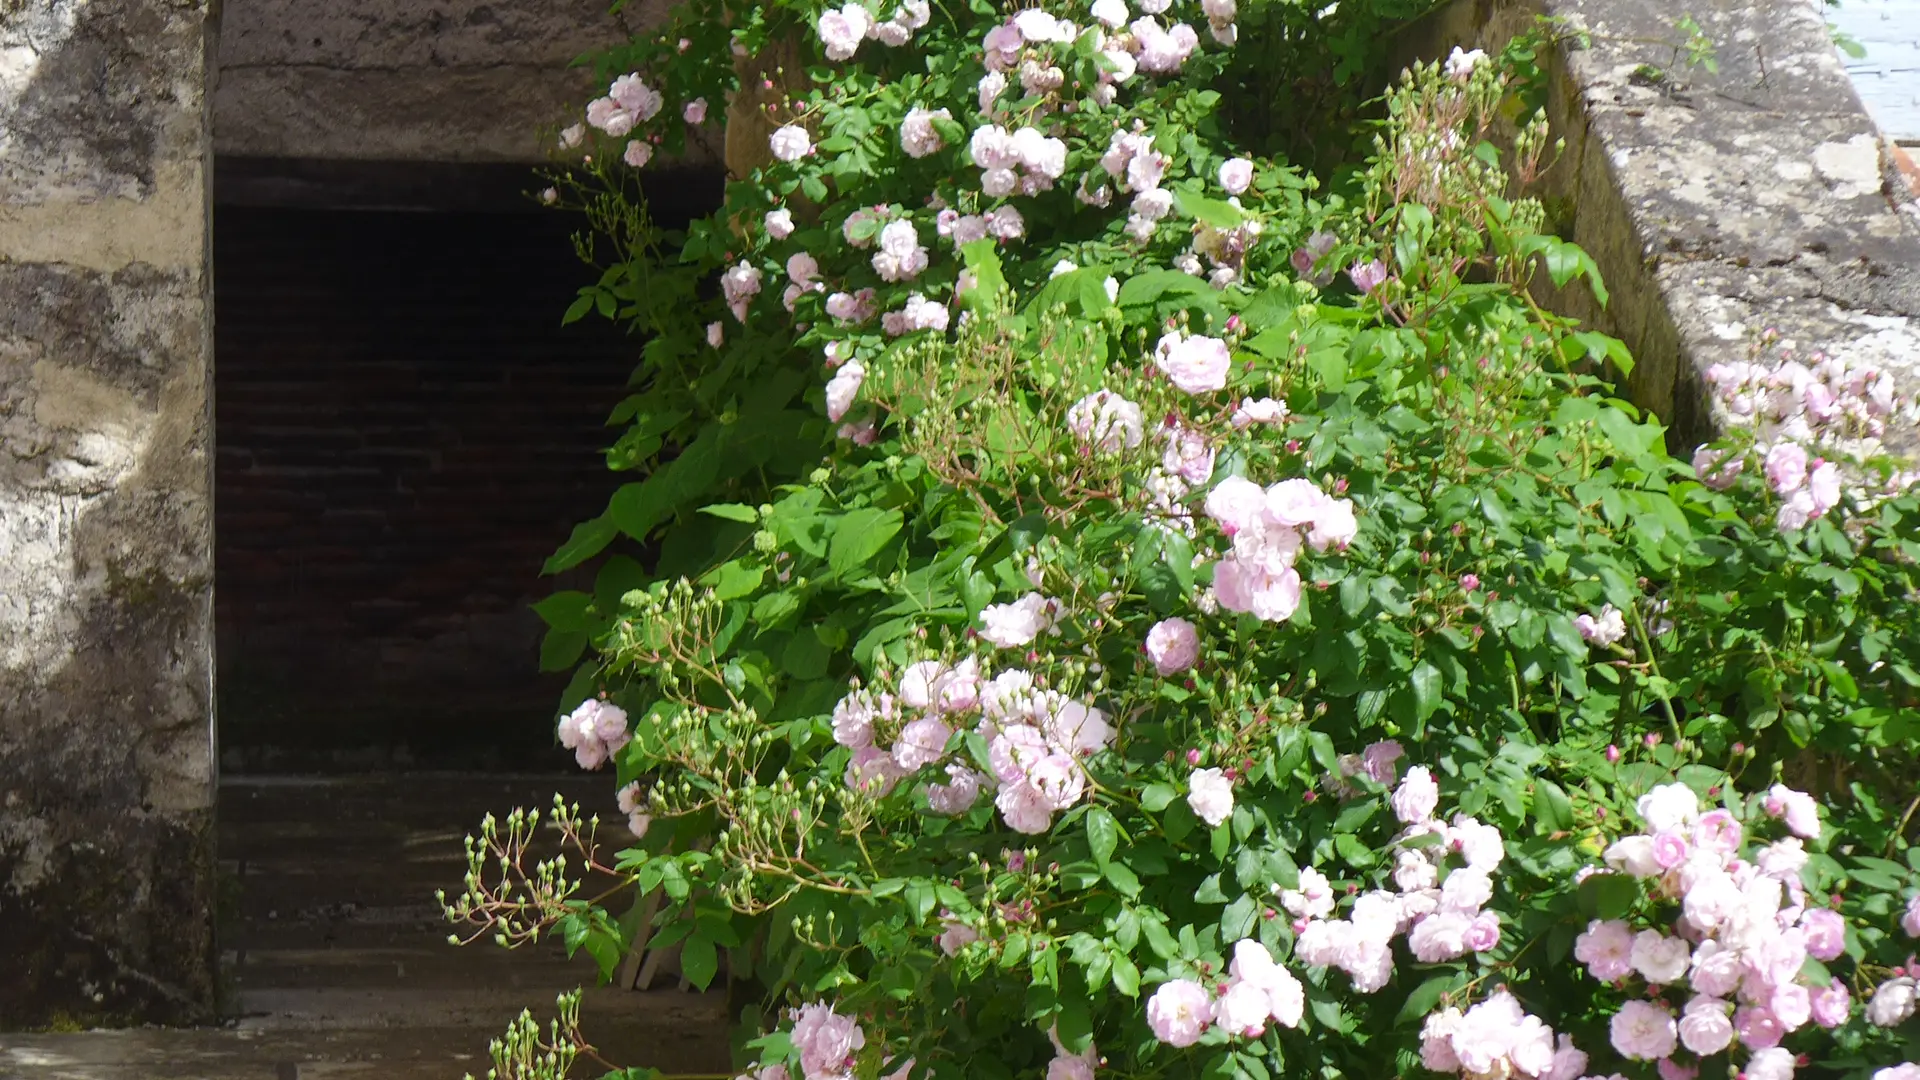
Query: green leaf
{"x": 1425, "y": 681}
{"x": 1126, "y": 977}
{"x": 1103, "y": 835}
{"x": 1551, "y": 806}
{"x": 732, "y": 512}
{"x": 699, "y": 960}
{"x": 589, "y": 538}
{"x": 1220, "y": 215}
{"x": 1424, "y": 997}
{"x": 1156, "y": 797}
{"x": 736, "y": 579}
{"x": 561, "y": 649}
{"x": 859, "y": 537}
{"x": 1122, "y": 878}
{"x": 1608, "y": 895}
{"x": 565, "y": 610}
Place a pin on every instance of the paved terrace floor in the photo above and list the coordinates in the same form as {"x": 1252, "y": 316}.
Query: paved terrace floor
{"x": 335, "y": 955}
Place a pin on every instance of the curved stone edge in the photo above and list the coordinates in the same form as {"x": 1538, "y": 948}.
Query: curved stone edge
{"x": 106, "y": 563}
{"x": 1717, "y": 204}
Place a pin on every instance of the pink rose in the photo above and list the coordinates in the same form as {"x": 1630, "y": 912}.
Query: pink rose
{"x": 826, "y": 1041}
{"x": 1669, "y": 848}
{"x": 1235, "y": 175}
{"x": 921, "y": 742}
{"x": 1210, "y": 794}
{"x": 1718, "y": 832}
{"x": 1606, "y": 948}
{"x": 1643, "y": 1031}
{"x": 1786, "y": 467}
{"x": 1831, "y": 1004}
{"x": 1179, "y": 1012}
{"x": 1377, "y": 761}
{"x": 1825, "y": 932}
{"x": 1910, "y": 920}
{"x": 1417, "y": 797}
{"x": 1758, "y": 1027}
{"x": 1704, "y": 1026}
{"x": 1772, "y": 1063}
{"x": 1173, "y": 645}
{"x": 1484, "y": 933}
{"x": 1439, "y": 937}
{"x": 1197, "y": 364}
{"x": 1799, "y": 809}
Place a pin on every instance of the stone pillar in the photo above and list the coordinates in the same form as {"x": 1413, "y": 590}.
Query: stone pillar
{"x": 106, "y": 544}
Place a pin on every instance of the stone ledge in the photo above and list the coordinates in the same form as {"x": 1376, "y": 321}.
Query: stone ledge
{"x": 1719, "y": 204}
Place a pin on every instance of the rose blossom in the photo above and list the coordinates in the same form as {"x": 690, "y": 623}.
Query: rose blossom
{"x": 1236, "y": 175}
{"x": 1210, "y": 795}
{"x": 956, "y": 935}
{"x": 1770, "y": 1064}
{"x": 1018, "y": 623}
{"x": 1799, "y": 809}
{"x": 842, "y": 388}
{"x": 1608, "y": 628}
{"x": 826, "y": 1041}
{"x": 1704, "y": 1027}
{"x": 1825, "y": 932}
{"x": 1892, "y": 1003}
{"x": 1606, "y": 948}
{"x": 1643, "y": 1031}
{"x": 842, "y": 30}
{"x": 790, "y": 143}
{"x": 779, "y": 223}
{"x": 1179, "y": 1012}
{"x": 1658, "y": 958}
{"x": 1417, "y": 796}
{"x": 1910, "y": 920}
{"x": 1197, "y": 365}
{"x": 1831, "y": 1004}
{"x": 1173, "y": 645}
{"x": 918, "y": 135}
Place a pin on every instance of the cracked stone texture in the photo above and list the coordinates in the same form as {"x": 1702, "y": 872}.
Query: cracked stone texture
{"x": 408, "y": 80}
{"x": 1718, "y": 205}
{"x": 106, "y": 756}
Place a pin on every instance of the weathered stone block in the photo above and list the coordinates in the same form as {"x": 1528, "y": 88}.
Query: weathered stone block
{"x": 408, "y": 80}
{"x": 1718, "y": 204}
{"x": 106, "y": 739}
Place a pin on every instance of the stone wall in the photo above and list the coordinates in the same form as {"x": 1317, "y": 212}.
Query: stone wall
{"x": 416, "y": 80}
{"x": 1718, "y": 204}
{"x": 106, "y": 743}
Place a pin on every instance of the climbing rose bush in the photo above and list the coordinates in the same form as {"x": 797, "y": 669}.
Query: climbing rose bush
{"x": 1098, "y": 601}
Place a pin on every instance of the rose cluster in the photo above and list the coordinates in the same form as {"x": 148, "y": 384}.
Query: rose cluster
{"x": 1257, "y": 990}
{"x": 594, "y": 731}
{"x": 1037, "y": 740}
{"x": 1497, "y": 1038}
{"x": 1443, "y": 874}
{"x": 1269, "y": 527}
{"x": 1744, "y": 929}
{"x": 1834, "y": 405}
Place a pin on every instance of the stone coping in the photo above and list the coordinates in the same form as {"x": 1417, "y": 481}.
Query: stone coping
{"x": 1719, "y": 204}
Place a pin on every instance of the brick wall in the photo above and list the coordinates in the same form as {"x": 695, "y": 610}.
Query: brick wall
{"x": 404, "y": 433}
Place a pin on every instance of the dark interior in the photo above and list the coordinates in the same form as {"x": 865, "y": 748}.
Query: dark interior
{"x": 404, "y": 433}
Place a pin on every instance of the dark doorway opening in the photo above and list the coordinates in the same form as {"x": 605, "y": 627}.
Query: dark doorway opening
{"x": 404, "y": 433}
